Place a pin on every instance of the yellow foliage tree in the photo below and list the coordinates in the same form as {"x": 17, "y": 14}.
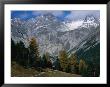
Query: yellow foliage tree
{"x": 49, "y": 64}
{"x": 82, "y": 66}
{"x": 34, "y": 50}
{"x": 73, "y": 59}
{"x": 73, "y": 62}
{"x": 63, "y": 58}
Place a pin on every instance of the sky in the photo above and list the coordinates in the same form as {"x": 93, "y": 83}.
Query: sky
{"x": 71, "y": 15}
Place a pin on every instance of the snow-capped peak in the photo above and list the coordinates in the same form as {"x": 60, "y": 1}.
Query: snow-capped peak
{"x": 74, "y": 24}
{"x": 90, "y": 21}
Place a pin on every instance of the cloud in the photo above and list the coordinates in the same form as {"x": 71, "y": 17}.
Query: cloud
{"x": 36, "y": 13}
{"x": 23, "y": 16}
{"x": 74, "y": 15}
{"x": 55, "y": 13}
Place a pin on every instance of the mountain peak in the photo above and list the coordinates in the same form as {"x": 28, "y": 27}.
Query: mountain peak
{"x": 53, "y": 34}
{"x": 48, "y": 15}
{"x": 91, "y": 18}
{"x": 90, "y": 21}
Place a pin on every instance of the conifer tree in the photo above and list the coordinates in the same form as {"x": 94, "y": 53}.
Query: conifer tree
{"x": 63, "y": 57}
{"x": 82, "y": 67}
{"x": 48, "y": 64}
{"x": 34, "y": 52}
{"x": 13, "y": 51}
{"x": 44, "y": 61}
{"x": 73, "y": 63}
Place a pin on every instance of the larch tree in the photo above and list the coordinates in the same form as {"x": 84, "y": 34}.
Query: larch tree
{"x": 73, "y": 63}
{"x": 63, "y": 58}
{"x": 82, "y": 67}
{"x": 34, "y": 52}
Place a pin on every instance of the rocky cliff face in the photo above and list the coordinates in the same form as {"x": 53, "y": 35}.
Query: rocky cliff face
{"x": 54, "y": 35}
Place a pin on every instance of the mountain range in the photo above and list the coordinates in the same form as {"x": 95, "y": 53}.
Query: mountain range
{"x": 53, "y": 35}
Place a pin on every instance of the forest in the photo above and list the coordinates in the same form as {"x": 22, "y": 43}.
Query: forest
{"x": 30, "y": 58}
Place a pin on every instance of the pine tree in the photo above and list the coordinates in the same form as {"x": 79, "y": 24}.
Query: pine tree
{"x": 20, "y": 53}
{"x": 47, "y": 56}
{"x": 48, "y": 64}
{"x": 13, "y": 51}
{"x": 96, "y": 65}
{"x": 44, "y": 61}
{"x": 57, "y": 65}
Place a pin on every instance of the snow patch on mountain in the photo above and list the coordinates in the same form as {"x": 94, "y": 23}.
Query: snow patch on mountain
{"x": 52, "y": 34}
{"x": 74, "y": 24}
{"x": 90, "y": 21}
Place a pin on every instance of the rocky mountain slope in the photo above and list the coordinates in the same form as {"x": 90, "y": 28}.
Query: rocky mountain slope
{"x": 54, "y": 35}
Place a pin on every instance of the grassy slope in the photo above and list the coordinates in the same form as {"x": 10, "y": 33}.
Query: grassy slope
{"x": 19, "y": 71}
{"x": 56, "y": 73}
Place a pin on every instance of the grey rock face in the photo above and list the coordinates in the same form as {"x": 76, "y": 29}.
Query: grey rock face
{"x": 53, "y": 35}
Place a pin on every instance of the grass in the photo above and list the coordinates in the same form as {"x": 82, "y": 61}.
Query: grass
{"x": 19, "y": 71}
{"x": 56, "y": 73}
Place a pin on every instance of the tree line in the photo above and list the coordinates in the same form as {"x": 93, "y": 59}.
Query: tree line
{"x": 29, "y": 57}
